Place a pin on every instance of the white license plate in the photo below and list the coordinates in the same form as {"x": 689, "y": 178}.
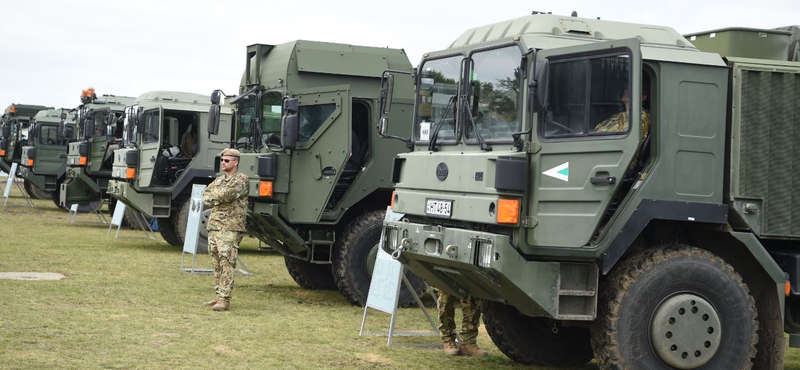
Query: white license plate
{"x": 442, "y": 208}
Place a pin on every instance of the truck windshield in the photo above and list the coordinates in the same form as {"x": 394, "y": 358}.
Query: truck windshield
{"x": 438, "y": 84}
{"x": 494, "y": 93}
{"x": 48, "y": 134}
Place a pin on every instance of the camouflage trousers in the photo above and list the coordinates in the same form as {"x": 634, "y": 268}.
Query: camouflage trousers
{"x": 470, "y": 309}
{"x": 223, "y": 246}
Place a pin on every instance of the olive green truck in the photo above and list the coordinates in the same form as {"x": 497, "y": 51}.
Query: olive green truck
{"x": 91, "y": 158}
{"x": 306, "y": 117}
{"x": 611, "y": 190}
{"x": 13, "y": 136}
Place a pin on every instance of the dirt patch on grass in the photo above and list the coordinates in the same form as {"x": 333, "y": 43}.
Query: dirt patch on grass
{"x": 375, "y": 359}
{"x": 168, "y": 335}
{"x": 223, "y": 349}
{"x": 161, "y": 344}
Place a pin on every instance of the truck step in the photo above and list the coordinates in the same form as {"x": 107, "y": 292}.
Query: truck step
{"x": 576, "y": 317}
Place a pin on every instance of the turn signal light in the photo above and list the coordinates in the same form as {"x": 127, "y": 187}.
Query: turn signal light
{"x": 392, "y": 202}
{"x": 130, "y": 174}
{"x": 265, "y": 189}
{"x": 788, "y": 288}
{"x": 82, "y": 161}
{"x": 2, "y": 153}
{"x": 508, "y": 211}
{"x": 30, "y": 162}
{"x": 13, "y": 109}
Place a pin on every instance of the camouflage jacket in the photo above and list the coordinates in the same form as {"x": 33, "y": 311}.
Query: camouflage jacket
{"x": 619, "y": 123}
{"x": 227, "y": 199}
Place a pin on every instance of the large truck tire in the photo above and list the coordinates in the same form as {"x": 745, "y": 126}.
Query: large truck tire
{"x": 688, "y": 308}
{"x": 358, "y": 248}
{"x": 179, "y": 222}
{"x": 35, "y": 192}
{"x": 536, "y": 340}
{"x": 310, "y": 275}
{"x": 167, "y": 230}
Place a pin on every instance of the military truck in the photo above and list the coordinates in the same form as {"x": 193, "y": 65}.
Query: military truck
{"x": 319, "y": 182}
{"x": 14, "y": 135}
{"x": 610, "y": 190}
{"x": 44, "y": 159}
{"x": 91, "y": 157}
{"x": 165, "y": 152}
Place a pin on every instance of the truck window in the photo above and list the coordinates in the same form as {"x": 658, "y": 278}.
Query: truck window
{"x": 247, "y": 115}
{"x": 271, "y": 110}
{"x": 100, "y": 124}
{"x": 586, "y": 97}
{"x": 48, "y": 135}
{"x": 438, "y": 89}
{"x": 311, "y": 119}
{"x": 494, "y": 96}
{"x": 151, "y": 127}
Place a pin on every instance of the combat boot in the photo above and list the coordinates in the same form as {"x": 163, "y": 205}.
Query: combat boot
{"x": 473, "y": 350}
{"x": 221, "y": 305}
{"x": 211, "y": 302}
{"x": 450, "y": 348}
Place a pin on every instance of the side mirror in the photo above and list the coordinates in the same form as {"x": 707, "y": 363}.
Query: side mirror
{"x": 213, "y": 118}
{"x": 387, "y": 92}
{"x": 538, "y": 85}
{"x": 216, "y": 96}
{"x": 383, "y": 126}
{"x": 88, "y": 127}
{"x": 291, "y": 105}
{"x": 140, "y": 122}
{"x": 289, "y": 125}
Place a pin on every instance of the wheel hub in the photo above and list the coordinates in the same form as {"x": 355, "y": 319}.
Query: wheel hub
{"x": 686, "y": 331}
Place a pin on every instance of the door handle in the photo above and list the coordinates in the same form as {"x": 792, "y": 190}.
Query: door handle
{"x": 152, "y": 159}
{"x": 603, "y": 180}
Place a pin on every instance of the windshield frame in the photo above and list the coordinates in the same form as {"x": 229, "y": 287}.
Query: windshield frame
{"x": 523, "y": 66}
{"x": 459, "y": 88}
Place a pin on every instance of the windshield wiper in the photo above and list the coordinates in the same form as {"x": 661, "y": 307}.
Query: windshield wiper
{"x": 481, "y": 142}
{"x": 435, "y": 134}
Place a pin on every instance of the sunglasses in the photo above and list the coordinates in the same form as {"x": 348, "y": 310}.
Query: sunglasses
{"x": 228, "y": 160}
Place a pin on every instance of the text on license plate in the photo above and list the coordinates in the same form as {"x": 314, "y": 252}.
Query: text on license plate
{"x": 439, "y": 207}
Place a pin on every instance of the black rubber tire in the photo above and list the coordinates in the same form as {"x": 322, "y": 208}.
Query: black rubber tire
{"x": 167, "y": 231}
{"x": 35, "y": 192}
{"x": 179, "y": 219}
{"x": 129, "y": 220}
{"x": 635, "y": 289}
{"x": 349, "y": 267}
{"x": 310, "y": 275}
{"x": 531, "y": 341}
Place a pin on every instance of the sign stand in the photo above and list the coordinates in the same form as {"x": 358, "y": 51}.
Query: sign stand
{"x": 193, "y": 232}
{"x": 73, "y": 212}
{"x": 384, "y": 292}
{"x": 12, "y": 179}
{"x": 116, "y": 220}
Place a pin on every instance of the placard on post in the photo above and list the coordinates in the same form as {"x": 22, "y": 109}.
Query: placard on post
{"x": 10, "y": 181}
{"x": 384, "y": 291}
{"x": 193, "y": 233}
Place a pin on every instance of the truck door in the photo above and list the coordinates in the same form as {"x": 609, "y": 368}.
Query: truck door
{"x": 323, "y": 146}
{"x": 150, "y": 143}
{"x": 584, "y": 139}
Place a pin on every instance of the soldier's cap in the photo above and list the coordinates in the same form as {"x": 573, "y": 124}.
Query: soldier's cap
{"x": 230, "y": 153}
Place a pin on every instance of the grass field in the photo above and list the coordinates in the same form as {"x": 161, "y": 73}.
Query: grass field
{"x": 126, "y": 305}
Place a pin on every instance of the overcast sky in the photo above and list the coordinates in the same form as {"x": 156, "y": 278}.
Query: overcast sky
{"x": 51, "y": 50}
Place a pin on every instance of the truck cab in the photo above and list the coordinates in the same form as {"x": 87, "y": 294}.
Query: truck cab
{"x": 165, "y": 152}
{"x": 14, "y": 134}
{"x": 90, "y": 158}
{"x": 44, "y": 159}
{"x": 319, "y": 182}
{"x": 582, "y": 177}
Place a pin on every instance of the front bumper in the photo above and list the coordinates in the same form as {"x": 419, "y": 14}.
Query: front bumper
{"x": 79, "y": 188}
{"x": 486, "y": 265}
{"x": 124, "y": 192}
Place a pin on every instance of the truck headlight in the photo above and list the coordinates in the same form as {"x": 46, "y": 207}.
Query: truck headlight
{"x": 485, "y": 252}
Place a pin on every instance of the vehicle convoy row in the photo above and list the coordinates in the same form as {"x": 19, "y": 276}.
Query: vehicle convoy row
{"x": 612, "y": 191}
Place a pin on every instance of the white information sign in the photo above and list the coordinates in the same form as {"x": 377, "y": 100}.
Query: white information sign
{"x": 10, "y": 180}
{"x": 193, "y": 221}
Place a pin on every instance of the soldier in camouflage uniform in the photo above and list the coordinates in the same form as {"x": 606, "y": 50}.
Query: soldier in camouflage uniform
{"x": 471, "y": 312}
{"x": 227, "y": 199}
{"x": 619, "y": 121}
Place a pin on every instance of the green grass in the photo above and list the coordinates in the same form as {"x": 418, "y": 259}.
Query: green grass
{"x": 126, "y": 305}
